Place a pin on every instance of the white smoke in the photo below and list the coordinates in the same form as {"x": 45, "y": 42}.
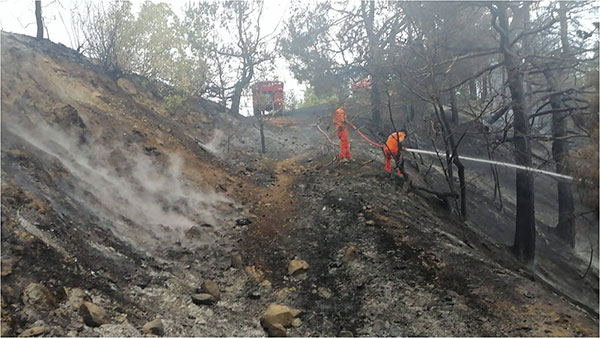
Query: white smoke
{"x": 143, "y": 199}
{"x": 213, "y": 145}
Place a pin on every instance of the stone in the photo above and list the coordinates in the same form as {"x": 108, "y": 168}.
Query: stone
{"x": 211, "y": 288}
{"x": 324, "y": 292}
{"x": 297, "y": 265}
{"x": 33, "y": 332}
{"x": 39, "y": 296}
{"x": 370, "y": 222}
{"x": 277, "y": 317}
{"x": 203, "y": 299}
{"x": 256, "y": 273}
{"x": 154, "y": 327}
{"x": 345, "y": 333}
{"x": 243, "y": 221}
{"x": 76, "y": 297}
{"x": 277, "y": 330}
{"x": 297, "y": 322}
{"x": 7, "y": 267}
{"x": 254, "y": 295}
{"x": 236, "y": 261}
{"x": 350, "y": 254}
{"x": 92, "y": 314}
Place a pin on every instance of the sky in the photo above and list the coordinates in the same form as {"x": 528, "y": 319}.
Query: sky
{"x": 18, "y": 16}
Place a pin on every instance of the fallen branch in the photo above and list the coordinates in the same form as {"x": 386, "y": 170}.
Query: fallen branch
{"x": 439, "y": 194}
{"x": 327, "y": 136}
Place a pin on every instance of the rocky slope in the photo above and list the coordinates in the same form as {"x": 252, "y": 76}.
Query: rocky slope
{"x": 116, "y": 221}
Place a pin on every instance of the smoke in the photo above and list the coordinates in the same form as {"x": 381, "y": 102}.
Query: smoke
{"x": 143, "y": 199}
{"x": 212, "y": 146}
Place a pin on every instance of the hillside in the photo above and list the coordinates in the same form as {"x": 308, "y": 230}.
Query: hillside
{"x": 109, "y": 200}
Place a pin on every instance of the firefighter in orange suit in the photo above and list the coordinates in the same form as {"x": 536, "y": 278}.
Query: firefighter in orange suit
{"x": 392, "y": 147}
{"x": 342, "y": 131}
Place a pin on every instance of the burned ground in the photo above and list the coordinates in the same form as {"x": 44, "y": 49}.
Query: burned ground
{"x": 383, "y": 259}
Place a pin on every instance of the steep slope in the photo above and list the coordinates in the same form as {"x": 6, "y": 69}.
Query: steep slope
{"x": 107, "y": 197}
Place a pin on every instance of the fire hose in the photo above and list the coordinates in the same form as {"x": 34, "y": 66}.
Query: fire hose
{"x": 364, "y": 137}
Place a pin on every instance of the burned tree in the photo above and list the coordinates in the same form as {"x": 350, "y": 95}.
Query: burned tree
{"x": 524, "y": 243}
{"x": 38, "y": 19}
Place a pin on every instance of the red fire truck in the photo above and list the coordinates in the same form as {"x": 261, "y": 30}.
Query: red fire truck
{"x": 267, "y": 96}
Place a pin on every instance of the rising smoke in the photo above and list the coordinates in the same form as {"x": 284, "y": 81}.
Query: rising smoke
{"x": 213, "y": 145}
{"x": 142, "y": 199}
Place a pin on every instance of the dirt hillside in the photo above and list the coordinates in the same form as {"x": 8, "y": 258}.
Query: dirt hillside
{"x": 122, "y": 216}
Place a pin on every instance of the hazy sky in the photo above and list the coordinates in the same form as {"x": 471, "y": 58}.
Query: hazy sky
{"x": 18, "y": 16}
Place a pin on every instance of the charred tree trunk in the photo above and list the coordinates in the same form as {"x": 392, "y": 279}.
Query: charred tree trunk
{"x": 247, "y": 74}
{"x": 376, "y": 102}
{"x": 38, "y": 19}
{"x": 452, "y": 158}
{"x": 566, "y": 209}
{"x": 453, "y": 106}
{"x": 524, "y": 244}
{"x": 236, "y": 98}
{"x": 378, "y": 82}
{"x": 263, "y": 146}
{"x": 456, "y": 161}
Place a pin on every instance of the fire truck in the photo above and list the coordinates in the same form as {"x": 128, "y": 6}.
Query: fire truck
{"x": 267, "y": 96}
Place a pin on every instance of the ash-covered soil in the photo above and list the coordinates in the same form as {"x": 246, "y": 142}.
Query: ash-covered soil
{"x": 109, "y": 200}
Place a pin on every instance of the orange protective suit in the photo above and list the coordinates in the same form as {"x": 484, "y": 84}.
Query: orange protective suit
{"x": 391, "y": 149}
{"x": 342, "y": 131}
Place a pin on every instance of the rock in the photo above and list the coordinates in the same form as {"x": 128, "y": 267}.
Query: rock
{"x": 76, "y": 297}
{"x": 7, "y": 267}
{"x": 154, "y": 327}
{"x": 254, "y": 295}
{"x": 345, "y": 333}
{"x": 255, "y": 273}
{"x": 211, "y": 288}
{"x": 39, "y": 296}
{"x": 277, "y": 317}
{"x": 93, "y": 315}
{"x": 350, "y": 254}
{"x": 297, "y": 265}
{"x": 33, "y": 332}
{"x": 370, "y": 222}
{"x": 297, "y": 322}
{"x": 236, "y": 261}
{"x": 277, "y": 330}
{"x": 324, "y": 292}
{"x": 243, "y": 221}
{"x": 203, "y": 299}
